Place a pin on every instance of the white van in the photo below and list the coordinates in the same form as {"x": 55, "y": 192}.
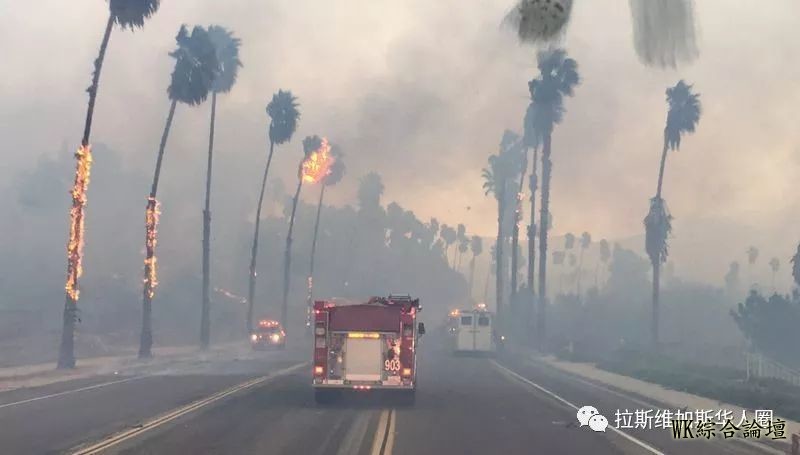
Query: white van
{"x": 474, "y": 332}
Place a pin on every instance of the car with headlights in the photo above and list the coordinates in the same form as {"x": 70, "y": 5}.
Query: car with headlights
{"x": 268, "y": 334}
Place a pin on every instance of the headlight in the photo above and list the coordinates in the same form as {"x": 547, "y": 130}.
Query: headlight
{"x": 254, "y": 337}
{"x": 275, "y": 338}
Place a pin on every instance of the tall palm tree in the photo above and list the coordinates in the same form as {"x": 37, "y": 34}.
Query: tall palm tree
{"x": 498, "y": 181}
{"x": 333, "y": 177}
{"x": 449, "y": 235}
{"x": 522, "y": 166}
{"x": 476, "y": 246}
{"x": 682, "y": 118}
{"x": 461, "y": 238}
{"x": 195, "y": 68}
{"x": 129, "y": 14}
{"x": 283, "y": 114}
{"x": 533, "y": 184}
{"x": 227, "y": 50}
{"x": 796, "y": 266}
{"x": 558, "y": 78}
{"x": 586, "y": 241}
{"x": 774, "y": 265}
{"x": 310, "y": 145}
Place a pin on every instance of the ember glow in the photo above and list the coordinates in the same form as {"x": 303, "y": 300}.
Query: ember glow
{"x": 231, "y": 295}
{"x": 75, "y": 245}
{"x": 151, "y": 227}
{"x": 318, "y": 164}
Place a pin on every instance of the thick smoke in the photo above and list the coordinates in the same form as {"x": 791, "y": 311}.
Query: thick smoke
{"x": 664, "y": 32}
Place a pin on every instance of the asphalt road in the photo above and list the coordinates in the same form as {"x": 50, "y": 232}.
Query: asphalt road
{"x": 263, "y": 404}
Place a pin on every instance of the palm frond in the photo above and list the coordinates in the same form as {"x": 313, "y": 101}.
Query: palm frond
{"x": 196, "y": 66}
{"x": 683, "y": 115}
{"x": 337, "y": 169}
{"x": 284, "y": 114}
{"x": 658, "y": 226}
{"x": 132, "y": 14}
{"x": 227, "y": 50}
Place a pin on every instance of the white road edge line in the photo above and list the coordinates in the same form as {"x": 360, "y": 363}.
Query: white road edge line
{"x": 68, "y": 392}
{"x": 158, "y": 421}
{"x": 575, "y": 377}
{"x": 630, "y": 438}
{"x": 390, "y": 440}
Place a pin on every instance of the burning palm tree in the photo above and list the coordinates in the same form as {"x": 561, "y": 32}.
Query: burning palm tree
{"x": 315, "y": 166}
{"x": 498, "y": 180}
{"x": 283, "y": 114}
{"x": 226, "y": 47}
{"x": 196, "y": 66}
{"x": 129, "y": 14}
{"x": 558, "y": 78}
{"x": 334, "y": 175}
{"x": 682, "y": 117}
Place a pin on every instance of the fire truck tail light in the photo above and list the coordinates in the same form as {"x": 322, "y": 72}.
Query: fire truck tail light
{"x": 318, "y": 370}
{"x": 406, "y": 372}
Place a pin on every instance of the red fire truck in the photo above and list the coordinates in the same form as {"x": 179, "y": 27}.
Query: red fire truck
{"x": 366, "y": 346}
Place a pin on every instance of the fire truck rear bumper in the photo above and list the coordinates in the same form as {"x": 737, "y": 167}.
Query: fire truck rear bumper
{"x": 359, "y": 385}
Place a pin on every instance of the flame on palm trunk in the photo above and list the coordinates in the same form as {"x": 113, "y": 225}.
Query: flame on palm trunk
{"x": 75, "y": 245}
{"x": 151, "y": 227}
{"x": 318, "y": 164}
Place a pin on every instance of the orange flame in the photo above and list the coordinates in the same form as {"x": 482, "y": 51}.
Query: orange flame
{"x": 318, "y": 165}
{"x": 75, "y": 245}
{"x": 151, "y": 240}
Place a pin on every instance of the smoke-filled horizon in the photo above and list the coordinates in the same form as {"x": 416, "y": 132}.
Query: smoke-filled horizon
{"x": 421, "y": 92}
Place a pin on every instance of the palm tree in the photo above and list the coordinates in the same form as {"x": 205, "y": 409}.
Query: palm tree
{"x": 752, "y": 257}
{"x": 449, "y": 236}
{"x": 461, "y": 238}
{"x": 311, "y": 144}
{"x": 774, "y": 265}
{"x": 498, "y": 180}
{"x": 796, "y": 266}
{"x": 476, "y": 246}
{"x": 227, "y": 51}
{"x": 533, "y": 186}
{"x": 682, "y": 117}
{"x": 283, "y": 114}
{"x": 515, "y": 250}
{"x": 333, "y": 177}
{"x": 129, "y": 14}
{"x": 586, "y": 241}
{"x": 558, "y": 78}
{"x": 196, "y": 65}
{"x": 605, "y": 255}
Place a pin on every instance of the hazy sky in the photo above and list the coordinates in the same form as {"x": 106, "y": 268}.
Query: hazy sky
{"x": 421, "y": 92}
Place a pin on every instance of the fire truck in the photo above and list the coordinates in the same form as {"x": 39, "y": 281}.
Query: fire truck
{"x": 366, "y": 346}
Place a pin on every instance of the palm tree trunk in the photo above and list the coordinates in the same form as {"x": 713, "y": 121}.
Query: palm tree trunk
{"x": 532, "y": 225}
{"x": 580, "y": 273}
{"x": 515, "y": 232}
{"x": 287, "y": 256}
{"x": 205, "y": 319}
{"x": 251, "y": 285}
{"x": 655, "y": 323}
{"x": 471, "y": 274}
{"x": 661, "y": 169}
{"x": 310, "y": 301}
{"x": 501, "y": 208}
{"x": 544, "y": 223}
{"x": 66, "y": 351}
{"x": 146, "y": 338}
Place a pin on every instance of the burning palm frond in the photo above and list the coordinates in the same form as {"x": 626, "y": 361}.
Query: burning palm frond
{"x": 151, "y": 240}
{"x": 76, "y": 231}
{"x": 318, "y": 164}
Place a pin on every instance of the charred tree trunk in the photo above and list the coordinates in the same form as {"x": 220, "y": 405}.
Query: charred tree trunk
{"x": 544, "y": 223}
{"x": 205, "y": 319}
{"x": 532, "y": 225}
{"x": 251, "y": 285}
{"x": 310, "y": 299}
{"x": 287, "y": 257}
{"x": 146, "y": 338}
{"x": 66, "y": 351}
